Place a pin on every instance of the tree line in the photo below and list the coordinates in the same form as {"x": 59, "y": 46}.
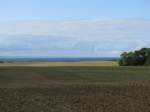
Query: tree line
{"x": 137, "y": 58}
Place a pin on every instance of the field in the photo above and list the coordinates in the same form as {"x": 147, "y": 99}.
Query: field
{"x": 76, "y": 88}
{"x": 54, "y": 64}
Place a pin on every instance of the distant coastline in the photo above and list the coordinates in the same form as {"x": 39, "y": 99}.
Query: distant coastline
{"x": 64, "y": 59}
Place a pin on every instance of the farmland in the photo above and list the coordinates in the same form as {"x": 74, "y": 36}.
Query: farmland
{"x": 58, "y": 64}
{"x": 74, "y": 89}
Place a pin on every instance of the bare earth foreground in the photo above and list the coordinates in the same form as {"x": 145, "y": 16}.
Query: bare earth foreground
{"x": 79, "y": 88}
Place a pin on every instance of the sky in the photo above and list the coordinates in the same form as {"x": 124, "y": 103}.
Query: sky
{"x": 73, "y": 28}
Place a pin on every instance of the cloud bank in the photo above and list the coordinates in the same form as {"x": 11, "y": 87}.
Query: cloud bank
{"x": 86, "y": 38}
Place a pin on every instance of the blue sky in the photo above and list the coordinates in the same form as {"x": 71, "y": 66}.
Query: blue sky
{"x": 73, "y": 9}
{"x": 67, "y": 28}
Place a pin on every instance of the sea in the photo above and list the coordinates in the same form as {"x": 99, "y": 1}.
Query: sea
{"x": 66, "y": 59}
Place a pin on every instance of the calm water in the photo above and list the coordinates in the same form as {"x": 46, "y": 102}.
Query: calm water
{"x": 57, "y": 59}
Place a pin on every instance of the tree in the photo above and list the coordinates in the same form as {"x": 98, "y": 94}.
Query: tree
{"x": 136, "y": 58}
{"x": 148, "y": 61}
{"x": 123, "y": 59}
{"x": 127, "y": 59}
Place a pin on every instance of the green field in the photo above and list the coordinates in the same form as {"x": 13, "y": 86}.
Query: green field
{"x": 74, "y": 89}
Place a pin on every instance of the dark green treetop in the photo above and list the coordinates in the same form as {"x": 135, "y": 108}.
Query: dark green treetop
{"x": 136, "y": 58}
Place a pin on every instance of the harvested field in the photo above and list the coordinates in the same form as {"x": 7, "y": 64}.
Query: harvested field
{"x": 74, "y": 89}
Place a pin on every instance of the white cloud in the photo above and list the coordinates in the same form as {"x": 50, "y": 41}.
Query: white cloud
{"x": 101, "y": 37}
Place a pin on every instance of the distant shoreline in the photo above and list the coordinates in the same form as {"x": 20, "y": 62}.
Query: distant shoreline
{"x": 78, "y": 59}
